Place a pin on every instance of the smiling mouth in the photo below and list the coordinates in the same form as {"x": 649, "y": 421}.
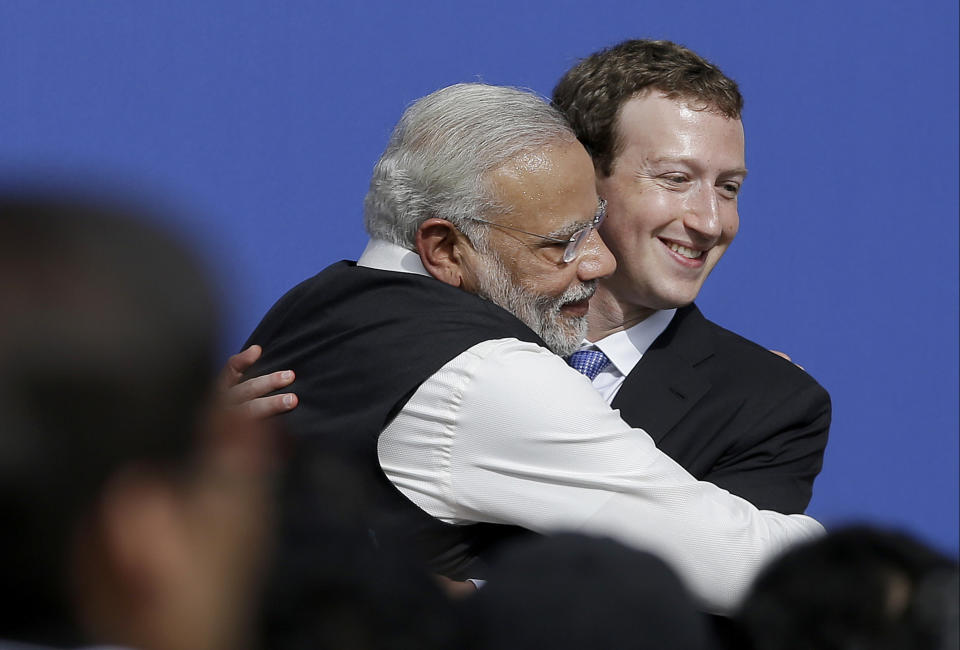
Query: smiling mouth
{"x": 689, "y": 253}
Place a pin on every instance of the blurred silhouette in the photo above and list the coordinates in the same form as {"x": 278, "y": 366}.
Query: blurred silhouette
{"x": 331, "y": 583}
{"x": 573, "y": 591}
{"x": 133, "y": 508}
{"x": 859, "y": 588}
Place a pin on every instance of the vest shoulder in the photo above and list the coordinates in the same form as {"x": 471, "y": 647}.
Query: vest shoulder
{"x": 345, "y": 293}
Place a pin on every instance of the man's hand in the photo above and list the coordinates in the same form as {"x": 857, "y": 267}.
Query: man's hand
{"x": 456, "y": 589}
{"x": 248, "y": 396}
{"x": 787, "y": 357}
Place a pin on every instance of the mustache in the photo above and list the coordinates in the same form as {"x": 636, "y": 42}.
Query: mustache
{"x": 583, "y": 291}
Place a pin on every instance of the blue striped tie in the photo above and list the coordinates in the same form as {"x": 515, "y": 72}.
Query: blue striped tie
{"x": 588, "y": 362}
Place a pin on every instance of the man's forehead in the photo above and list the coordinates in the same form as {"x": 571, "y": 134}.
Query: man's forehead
{"x": 646, "y": 111}
{"x": 685, "y": 100}
{"x": 672, "y": 129}
{"x": 544, "y": 160}
{"x": 552, "y": 183}
{"x": 531, "y": 160}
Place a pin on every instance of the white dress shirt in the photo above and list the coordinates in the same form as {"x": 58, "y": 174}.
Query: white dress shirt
{"x": 624, "y": 349}
{"x": 507, "y": 433}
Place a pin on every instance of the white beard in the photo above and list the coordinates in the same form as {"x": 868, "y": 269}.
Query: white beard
{"x": 562, "y": 334}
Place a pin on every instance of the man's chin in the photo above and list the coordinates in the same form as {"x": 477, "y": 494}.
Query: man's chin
{"x": 675, "y": 294}
{"x": 564, "y": 335}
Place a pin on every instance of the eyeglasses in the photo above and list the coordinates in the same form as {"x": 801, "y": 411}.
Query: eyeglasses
{"x": 576, "y": 241}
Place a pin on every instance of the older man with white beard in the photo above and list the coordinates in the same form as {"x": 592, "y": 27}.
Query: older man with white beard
{"x": 458, "y": 409}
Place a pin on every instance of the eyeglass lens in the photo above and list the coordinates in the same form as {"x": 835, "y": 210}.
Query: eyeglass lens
{"x": 572, "y": 251}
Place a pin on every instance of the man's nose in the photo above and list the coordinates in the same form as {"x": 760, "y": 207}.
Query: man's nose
{"x": 702, "y": 215}
{"x": 595, "y": 261}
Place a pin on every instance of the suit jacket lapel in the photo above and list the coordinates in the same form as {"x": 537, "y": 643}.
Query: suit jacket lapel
{"x": 666, "y": 384}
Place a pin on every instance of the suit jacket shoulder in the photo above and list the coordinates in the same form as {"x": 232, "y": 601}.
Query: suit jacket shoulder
{"x": 730, "y": 412}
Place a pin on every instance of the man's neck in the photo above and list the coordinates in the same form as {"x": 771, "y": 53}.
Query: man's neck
{"x": 608, "y": 315}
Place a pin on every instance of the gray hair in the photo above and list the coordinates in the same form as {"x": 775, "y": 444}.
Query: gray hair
{"x": 438, "y": 157}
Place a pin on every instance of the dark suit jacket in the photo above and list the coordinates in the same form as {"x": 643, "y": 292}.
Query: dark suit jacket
{"x": 730, "y": 412}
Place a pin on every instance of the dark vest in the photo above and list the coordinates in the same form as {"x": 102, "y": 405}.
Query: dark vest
{"x": 361, "y": 342}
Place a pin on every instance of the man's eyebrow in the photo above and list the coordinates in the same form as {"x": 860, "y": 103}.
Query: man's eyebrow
{"x": 691, "y": 162}
{"x": 738, "y": 171}
{"x": 566, "y": 232}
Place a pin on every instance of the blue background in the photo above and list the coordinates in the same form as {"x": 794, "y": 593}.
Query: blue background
{"x": 265, "y": 118}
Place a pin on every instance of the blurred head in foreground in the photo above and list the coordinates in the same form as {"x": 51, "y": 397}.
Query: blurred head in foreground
{"x": 139, "y": 505}
{"x": 858, "y": 588}
{"x": 575, "y": 591}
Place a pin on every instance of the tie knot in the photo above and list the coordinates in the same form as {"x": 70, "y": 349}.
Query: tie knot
{"x": 588, "y": 362}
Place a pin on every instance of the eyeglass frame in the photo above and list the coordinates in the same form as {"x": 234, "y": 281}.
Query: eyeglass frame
{"x": 576, "y": 241}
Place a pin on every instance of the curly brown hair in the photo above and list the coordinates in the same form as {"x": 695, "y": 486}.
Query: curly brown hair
{"x": 591, "y": 93}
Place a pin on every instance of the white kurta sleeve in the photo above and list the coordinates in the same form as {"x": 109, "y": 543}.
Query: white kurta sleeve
{"x": 507, "y": 433}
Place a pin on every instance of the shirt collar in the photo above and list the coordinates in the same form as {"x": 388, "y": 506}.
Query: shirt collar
{"x": 387, "y": 256}
{"x": 626, "y": 347}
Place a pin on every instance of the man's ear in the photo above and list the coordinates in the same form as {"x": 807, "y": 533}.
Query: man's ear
{"x": 443, "y": 250}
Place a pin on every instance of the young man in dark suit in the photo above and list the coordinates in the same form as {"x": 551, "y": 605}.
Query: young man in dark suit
{"x": 663, "y": 128}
